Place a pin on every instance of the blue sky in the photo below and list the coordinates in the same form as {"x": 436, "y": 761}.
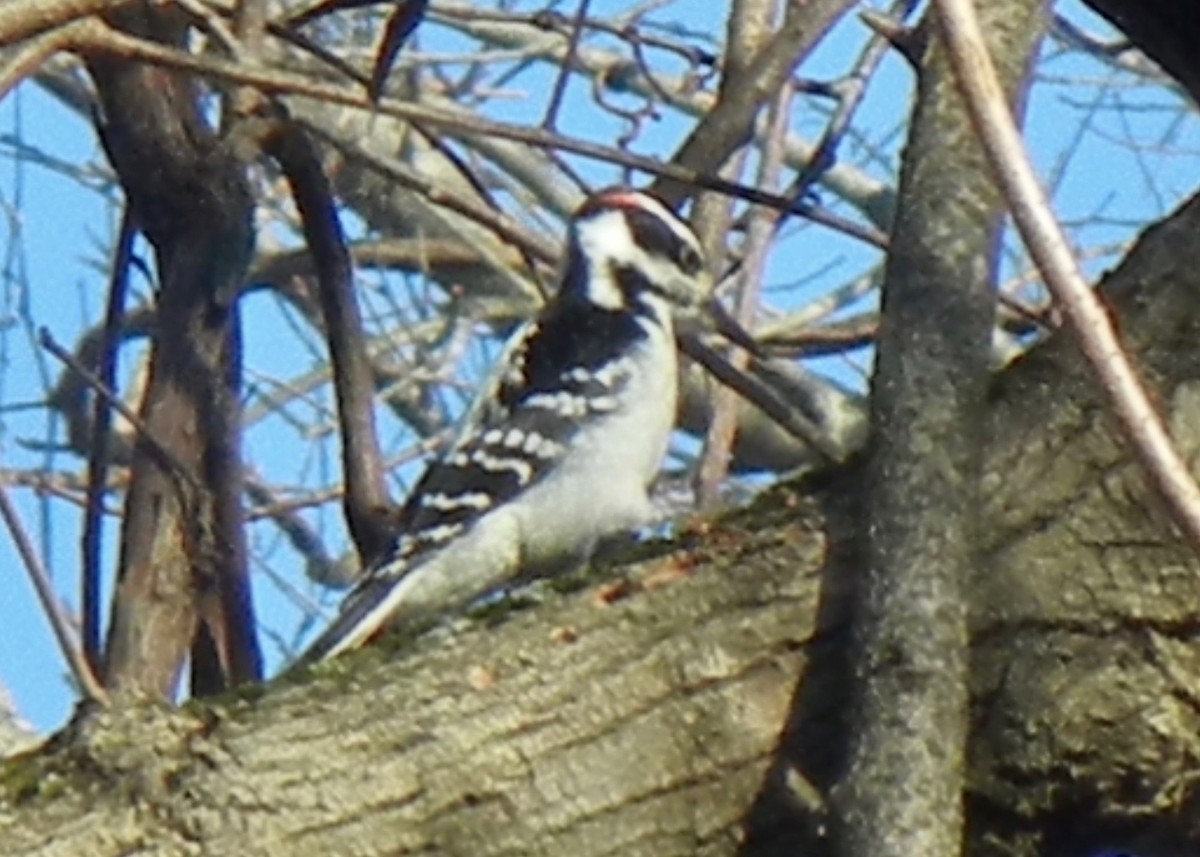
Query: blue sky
{"x": 1133, "y": 160}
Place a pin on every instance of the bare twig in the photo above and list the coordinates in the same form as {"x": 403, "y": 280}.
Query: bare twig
{"x": 560, "y": 82}
{"x": 686, "y": 92}
{"x": 1048, "y": 246}
{"x": 526, "y": 242}
{"x": 718, "y": 446}
{"x": 162, "y": 455}
{"x": 761, "y": 395}
{"x": 65, "y": 486}
{"x": 750, "y": 31}
{"x": 850, "y": 92}
{"x": 836, "y": 337}
{"x": 74, "y": 656}
{"x": 99, "y": 38}
{"x": 730, "y": 124}
{"x": 98, "y": 446}
{"x": 212, "y": 22}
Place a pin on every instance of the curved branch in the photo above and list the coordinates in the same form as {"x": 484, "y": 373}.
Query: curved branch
{"x": 1049, "y": 247}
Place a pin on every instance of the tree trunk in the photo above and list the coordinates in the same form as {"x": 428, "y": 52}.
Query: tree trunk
{"x": 698, "y": 709}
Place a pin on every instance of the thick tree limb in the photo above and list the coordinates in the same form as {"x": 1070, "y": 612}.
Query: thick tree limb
{"x": 20, "y": 19}
{"x": 652, "y": 725}
{"x": 902, "y": 792}
{"x": 1050, "y": 248}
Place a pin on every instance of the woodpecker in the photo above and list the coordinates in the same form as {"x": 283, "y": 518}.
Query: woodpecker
{"x": 559, "y": 448}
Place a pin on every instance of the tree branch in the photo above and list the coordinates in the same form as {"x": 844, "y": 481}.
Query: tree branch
{"x": 20, "y": 19}
{"x": 366, "y": 501}
{"x": 182, "y": 553}
{"x": 902, "y": 790}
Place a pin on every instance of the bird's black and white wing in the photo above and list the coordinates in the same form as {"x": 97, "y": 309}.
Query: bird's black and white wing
{"x": 550, "y": 387}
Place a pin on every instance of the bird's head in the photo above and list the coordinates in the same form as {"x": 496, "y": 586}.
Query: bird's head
{"x": 629, "y": 250}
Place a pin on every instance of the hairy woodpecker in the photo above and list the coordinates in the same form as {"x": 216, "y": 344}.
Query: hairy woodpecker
{"x": 559, "y": 448}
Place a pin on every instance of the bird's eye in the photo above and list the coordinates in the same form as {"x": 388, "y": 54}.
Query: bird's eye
{"x": 689, "y": 260}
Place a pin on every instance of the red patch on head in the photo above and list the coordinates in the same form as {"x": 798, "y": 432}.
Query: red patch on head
{"x": 610, "y": 198}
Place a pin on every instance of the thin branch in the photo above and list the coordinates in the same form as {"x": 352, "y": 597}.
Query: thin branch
{"x": 65, "y": 486}
{"x": 836, "y": 337}
{"x": 761, "y": 395}
{"x": 163, "y": 457}
{"x": 750, "y": 29}
{"x": 718, "y": 444}
{"x": 405, "y": 18}
{"x": 850, "y": 92}
{"x": 1049, "y": 248}
{"x": 730, "y": 124}
{"x": 98, "y": 445}
{"x": 506, "y": 229}
{"x": 74, "y": 656}
{"x": 686, "y": 92}
{"x": 550, "y": 120}
{"x": 216, "y": 27}
{"x": 99, "y": 38}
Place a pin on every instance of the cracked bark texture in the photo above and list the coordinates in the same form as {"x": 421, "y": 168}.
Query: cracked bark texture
{"x": 702, "y": 714}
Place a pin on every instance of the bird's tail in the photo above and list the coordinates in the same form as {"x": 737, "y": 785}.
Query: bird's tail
{"x": 365, "y": 613}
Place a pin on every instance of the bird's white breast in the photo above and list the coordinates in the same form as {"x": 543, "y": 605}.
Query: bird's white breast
{"x": 601, "y": 486}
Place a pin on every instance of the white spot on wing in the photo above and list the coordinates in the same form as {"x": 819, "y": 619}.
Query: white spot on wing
{"x": 429, "y": 537}
{"x": 532, "y": 444}
{"x": 564, "y": 404}
{"x": 449, "y": 502}
{"x": 549, "y": 449}
{"x": 613, "y": 372}
{"x": 499, "y": 464}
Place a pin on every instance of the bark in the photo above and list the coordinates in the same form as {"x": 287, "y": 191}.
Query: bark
{"x": 902, "y": 793}
{"x": 702, "y": 714}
